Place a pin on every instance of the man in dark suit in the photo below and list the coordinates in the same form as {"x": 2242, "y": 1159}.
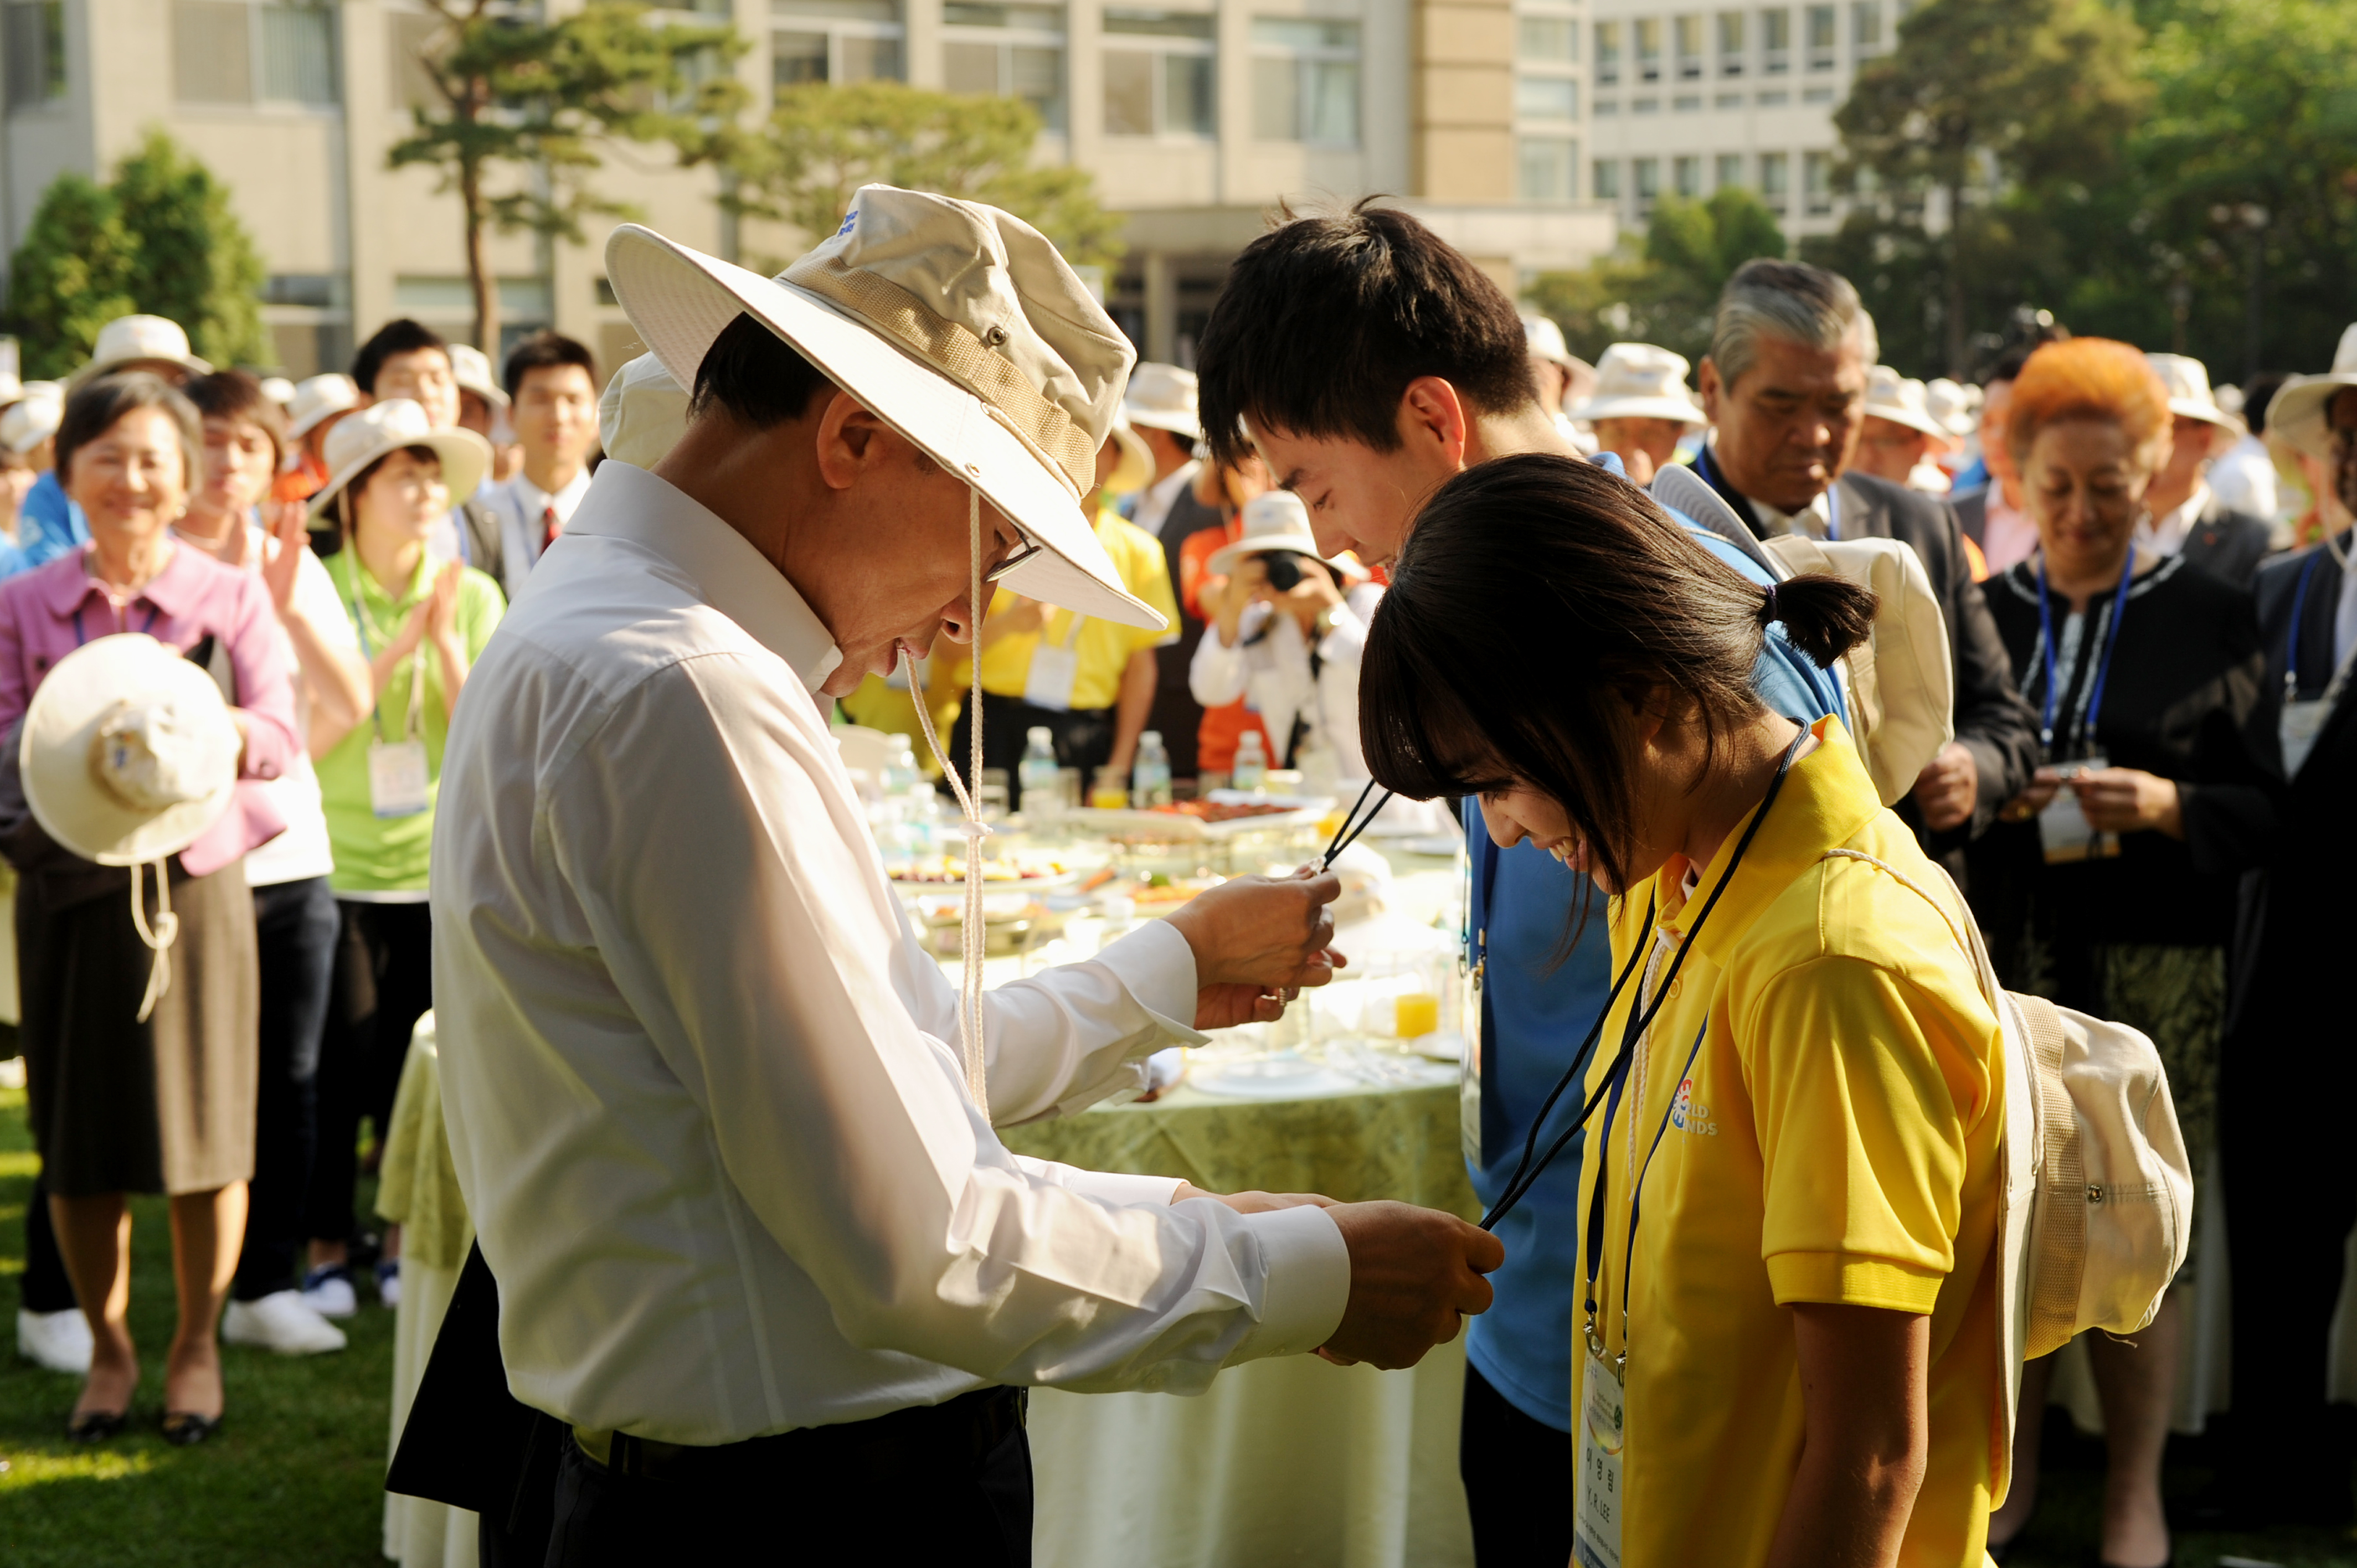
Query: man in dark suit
{"x": 2188, "y": 518}
{"x": 1785, "y": 388}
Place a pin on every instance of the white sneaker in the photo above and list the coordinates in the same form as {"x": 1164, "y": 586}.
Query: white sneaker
{"x": 58, "y": 1340}
{"x": 327, "y": 1291}
{"x": 388, "y": 1283}
{"x": 281, "y": 1322}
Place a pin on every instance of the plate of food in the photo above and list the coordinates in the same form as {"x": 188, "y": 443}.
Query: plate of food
{"x": 1222, "y": 814}
{"x": 1284, "y": 1074}
{"x": 1027, "y": 869}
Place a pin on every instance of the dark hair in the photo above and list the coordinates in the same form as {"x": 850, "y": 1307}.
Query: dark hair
{"x": 1539, "y": 603}
{"x": 94, "y": 410}
{"x": 2258, "y": 394}
{"x": 757, "y": 376}
{"x": 398, "y": 336}
{"x": 235, "y": 395}
{"x": 1325, "y": 321}
{"x": 347, "y": 512}
{"x": 541, "y": 351}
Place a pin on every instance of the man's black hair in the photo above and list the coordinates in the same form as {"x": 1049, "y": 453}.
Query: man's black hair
{"x": 757, "y": 376}
{"x": 2258, "y": 393}
{"x": 545, "y": 351}
{"x": 1325, "y": 321}
{"x": 402, "y": 335}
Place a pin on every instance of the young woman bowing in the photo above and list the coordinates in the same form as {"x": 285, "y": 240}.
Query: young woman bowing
{"x": 1786, "y": 1350}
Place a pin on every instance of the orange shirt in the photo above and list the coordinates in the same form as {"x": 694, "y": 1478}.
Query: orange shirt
{"x": 1222, "y": 728}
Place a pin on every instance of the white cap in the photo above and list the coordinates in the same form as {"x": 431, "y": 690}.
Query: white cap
{"x": 1901, "y": 400}
{"x": 1544, "y": 341}
{"x": 1165, "y": 397}
{"x": 1951, "y": 404}
{"x": 318, "y": 397}
{"x": 471, "y": 369}
{"x": 642, "y": 413}
{"x": 33, "y": 418}
{"x": 1274, "y": 520}
{"x": 1640, "y": 381}
{"x": 127, "y": 338}
{"x": 2188, "y": 380}
{"x": 278, "y": 389}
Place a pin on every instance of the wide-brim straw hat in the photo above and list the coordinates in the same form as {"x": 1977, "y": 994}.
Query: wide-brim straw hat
{"x": 1901, "y": 400}
{"x": 1273, "y": 521}
{"x": 643, "y": 414}
{"x": 2189, "y": 397}
{"x": 127, "y": 751}
{"x": 1640, "y": 381}
{"x": 317, "y": 398}
{"x": 384, "y": 428}
{"x": 470, "y": 368}
{"x": 1165, "y": 397}
{"x": 2299, "y": 411}
{"x": 956, "y": 324}
{"x": 128, "y": 339}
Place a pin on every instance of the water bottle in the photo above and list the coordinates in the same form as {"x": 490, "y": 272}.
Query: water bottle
{"x": 1149, "y": 776}
{"x": 1035, "y": 777}
{"x": 1250, "y": 770}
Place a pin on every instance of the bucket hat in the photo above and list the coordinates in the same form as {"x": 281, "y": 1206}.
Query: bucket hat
{"x": 1165, "y": 397}
{"x": 34, "y": 418}
{"x": 471, "y": 369}
{"x": 1901, "y": 400}
{"x": 1543, "y": 338}
{"x": 128, "y": 338}
{"x": 953, "y": 322}
{"x": 2300, "y": 409}
{"x": 1135, "y": 469}
{"x": 642, "y": 414}
{"x": 1952, "y": 405}
{"x": 317, "y": 397}
{"x": 384, "y": 428}
{"x": 2188, "y": 380}
{"x": 1639, "y": 380}
{"x": 1273, "y": 521}
{"x": 278, "y": 389}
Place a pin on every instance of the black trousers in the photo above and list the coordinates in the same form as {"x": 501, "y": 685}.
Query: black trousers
{"x": 1083, "y": 738}
{"x": 45, "y": 1287}
{"x": 383, "y": 982}
{"x": 919, "y": 1487}
{"x": 1518, "y": 1475}
{"x": 296, "y": 927}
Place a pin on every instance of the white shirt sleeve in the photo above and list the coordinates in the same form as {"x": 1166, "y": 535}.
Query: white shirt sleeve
{"x": 1219, "y": 673}
{"x": 754, "y": 942}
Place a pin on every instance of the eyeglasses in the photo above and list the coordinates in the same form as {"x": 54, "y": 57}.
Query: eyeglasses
{"x": 1023, "y": 552}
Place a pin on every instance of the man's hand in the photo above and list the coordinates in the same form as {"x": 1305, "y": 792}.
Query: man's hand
{"x": 1414, "y": 1273}
{"x": 1257, "y": 941}
{"x": 2128, "y": 801}
{"x": 2036, "y": 797}
{"x": 1252, "y": 1202}
{"x": 1946, "y": 792}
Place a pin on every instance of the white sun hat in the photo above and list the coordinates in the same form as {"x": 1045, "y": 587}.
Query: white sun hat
{"x": 1950, "y": 404}
{"x": 1164, "y": 397}
{"x": 1639, "y": 380}
{"x": 384, "y": 428}
{"x": 642, "y": 414}
{"x": 1543, "y": 338}
{"x": 953, "y": 322}
{"x": 2188, "y": 380}
{"x": 1274, "y": 520}
{"x": 1901, "y": 400}
{"x": 278, "y": 389}
{"x": 471, "y": 369}
{"x": 128, "y": 338}
{"x": 2300, "y": 407}
{"x": 1135, "y": 469}
{"x": 317, "y": 398}
{"x": 33, "y": 418}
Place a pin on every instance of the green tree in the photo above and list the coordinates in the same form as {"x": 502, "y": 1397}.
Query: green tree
{"x": 1666, "y": 290}
{"x": 191, "y": 260}
{"x": 70, "y": 276}
{"x": 516, "y": 101}
{"x": 823, "y": 143}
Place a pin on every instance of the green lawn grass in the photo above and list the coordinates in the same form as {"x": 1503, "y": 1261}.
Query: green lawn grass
{"x": 296, "y": 1475}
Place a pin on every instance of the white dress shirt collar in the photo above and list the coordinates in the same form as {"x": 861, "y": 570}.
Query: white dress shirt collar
{"x": 2166, "y": 535}
{"x": 1154, "y": 505}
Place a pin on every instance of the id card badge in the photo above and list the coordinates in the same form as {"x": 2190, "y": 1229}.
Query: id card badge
{"x": 397, "y": 777}
{"x": 1596, "y": 1522}
{"x": 2064, "y": 828}
{"x": 1468, "y": 1064}
{"x": 1054, "y": 669}
{"x": 2301, "y": 722}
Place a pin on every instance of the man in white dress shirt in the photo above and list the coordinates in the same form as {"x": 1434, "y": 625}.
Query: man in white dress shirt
{"x": 551, "y": 387}
{"x": 756, "y": 1246}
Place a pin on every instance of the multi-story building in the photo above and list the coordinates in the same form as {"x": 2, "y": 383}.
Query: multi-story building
{"x": 1687, "y": 100}
{"x": 1196, "y": 117}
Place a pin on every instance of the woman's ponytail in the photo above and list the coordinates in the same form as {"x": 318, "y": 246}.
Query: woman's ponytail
{"x": 1824, "y": 616}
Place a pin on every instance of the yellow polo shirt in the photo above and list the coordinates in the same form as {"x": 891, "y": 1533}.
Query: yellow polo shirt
{"x": 1104, "y": 647}
{"x": 1835, "y": 1142}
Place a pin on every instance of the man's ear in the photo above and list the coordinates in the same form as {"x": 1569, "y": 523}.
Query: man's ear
{"x": 848, "y": 440}
{"x": 1432, "y": 422}
{"x": 1707, "y": 384}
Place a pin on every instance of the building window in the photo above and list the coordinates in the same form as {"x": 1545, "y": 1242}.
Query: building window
{"x": 1608, "y": 53}
{"x": 1817, "y": 95}
{"x": 1686, "y": 175}
{"x": 1647, "y": 173}
{"x": 1728, "y": 100}
{"x": 1546, "y": 98}
{"x": 1730, "y": 43}
{"x": 1731, "y": 171}
{"x": 1775, "y": 100}
{"x": 1821, "y": 37}
{"x": 1007, "y": 51}
{"x": 1865, "y": 26}
{"x": 1555, "y": 39}
{"x": 1549, "y": 168}
{"x": 1604, "y": 179}
{"x": 1687, "y": 30}
{"x": 1607, "y": 106}
{"x": 35, "y": 43}
{"x": 1817, "y": 182}
{"x": 1776, "y": 40}
{"x": 1644, "y": 106}
{"x": 1158, "y": 75}
{"x": 1775, "y": 177}
{"x": 1687, "y": 104}
{"x": 1306, "y": 81}
{"x": 1649, "y": 49}
{"x": 835, "y": 40}
{"x": 226, "y": 52}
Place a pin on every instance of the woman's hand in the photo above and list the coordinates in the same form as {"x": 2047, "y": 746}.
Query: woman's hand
{"x": 2128, "y": 801}
{"x": 2036, "y": 799}
{"x": 287, "y": 520}
{"x": 1314, "y": 595}
{"x": 441, "y": 609}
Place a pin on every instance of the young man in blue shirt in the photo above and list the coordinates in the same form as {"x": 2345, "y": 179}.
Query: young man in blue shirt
{"x": 1367, "y": 362}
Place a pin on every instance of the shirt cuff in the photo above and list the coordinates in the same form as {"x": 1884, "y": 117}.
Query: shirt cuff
{"x": 1158, "y": 967}
{"x": 1847, "y": 1279}
{"x": 1155, "y": 1191}
{"x": 1306, "y": 1282}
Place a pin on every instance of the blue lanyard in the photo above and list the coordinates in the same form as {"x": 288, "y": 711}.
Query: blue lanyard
{"x": 79, "y": 637}
{"x": 2291, "y": 640}
{"x": 1832, "y": 509}
{"x": 2086, "y": 727}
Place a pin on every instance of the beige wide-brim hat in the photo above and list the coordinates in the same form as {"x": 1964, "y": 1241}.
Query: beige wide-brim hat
{"x": 1135, "y": 469}
{"x": 1640, "y": 381}
{"x": 2189, "y": 397}
{"x": 471, "y": 369}
{"x": 127, "y": 339}
{"x": 1273, "y": 521}
{"x": 1545, "y": 339}
{"x": 317, "y": 398}
{"x": 128, "y": 752}
{"x": 33, "y": 418}
{"x": 956, "y": 324}
{"x": 1901, "y": 400}
{"x": 384, "y": 428}
{"x": 2299, "y": 411}
{"x": 1165, "y": 397}
{"x": 643, "y": 414}
{"x": 1950, "y": 405}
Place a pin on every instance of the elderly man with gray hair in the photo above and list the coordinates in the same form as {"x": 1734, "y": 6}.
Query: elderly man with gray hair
{"x": 1784, "y": 386}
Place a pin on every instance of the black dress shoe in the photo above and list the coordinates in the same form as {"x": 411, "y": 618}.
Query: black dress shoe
{"x": 96, "y": 1426}
{"x": 186, "y": 1428}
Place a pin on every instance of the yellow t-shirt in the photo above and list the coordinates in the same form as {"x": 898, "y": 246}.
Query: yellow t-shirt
{"x": 1835, "y": 1142}
{"x": 1104, "y": 647}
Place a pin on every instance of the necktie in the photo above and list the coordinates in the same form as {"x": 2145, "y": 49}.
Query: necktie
{"x": 549, "y": 527}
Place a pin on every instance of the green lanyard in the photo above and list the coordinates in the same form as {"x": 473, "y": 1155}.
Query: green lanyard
{"x": 369, "y": 640}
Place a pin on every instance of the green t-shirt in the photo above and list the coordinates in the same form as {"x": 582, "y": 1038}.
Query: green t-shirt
{"x": 388, "y": 855}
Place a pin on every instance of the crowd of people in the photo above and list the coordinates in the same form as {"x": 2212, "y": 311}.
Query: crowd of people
{"x": 1387, "y": 529}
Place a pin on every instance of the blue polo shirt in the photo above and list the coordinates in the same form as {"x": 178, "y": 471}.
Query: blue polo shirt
{"x": 49, "y": 524}
{"x": 1534, "y": 1015}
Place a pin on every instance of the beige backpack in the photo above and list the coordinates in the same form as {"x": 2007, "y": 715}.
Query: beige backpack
{"x": 2098, "y": 1194}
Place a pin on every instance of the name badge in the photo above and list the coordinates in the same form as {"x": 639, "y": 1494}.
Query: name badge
{"x": 1596, "y": 1521}
{"x": 2302, "y": 722}
{"x": 2063, "y": 828}
{"x": 1049, "y": 684}
{"x": 1468, "y": 1064}
{"x": 397, "y": 785}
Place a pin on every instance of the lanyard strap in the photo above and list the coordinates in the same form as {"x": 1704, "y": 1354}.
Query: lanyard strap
{"x": 415, "y": 717}
{"x": 2291, "y": 638}
{"x": 146, "y": 626}
{"x": 1832, "y": 509}
{"x": 2086, "y": 728}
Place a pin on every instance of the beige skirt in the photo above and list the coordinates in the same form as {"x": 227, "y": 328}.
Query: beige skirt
{"x": 122, "y": 1106}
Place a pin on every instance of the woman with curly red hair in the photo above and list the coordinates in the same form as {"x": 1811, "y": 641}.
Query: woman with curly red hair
{"x": 2108, "y": 883}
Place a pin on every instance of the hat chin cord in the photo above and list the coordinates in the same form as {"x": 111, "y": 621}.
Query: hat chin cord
{"x": 975, "y": 938}
{"x": 158, "y": 937}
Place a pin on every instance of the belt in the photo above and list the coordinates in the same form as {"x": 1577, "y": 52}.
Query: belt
{"x": 960, "y": 1431}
